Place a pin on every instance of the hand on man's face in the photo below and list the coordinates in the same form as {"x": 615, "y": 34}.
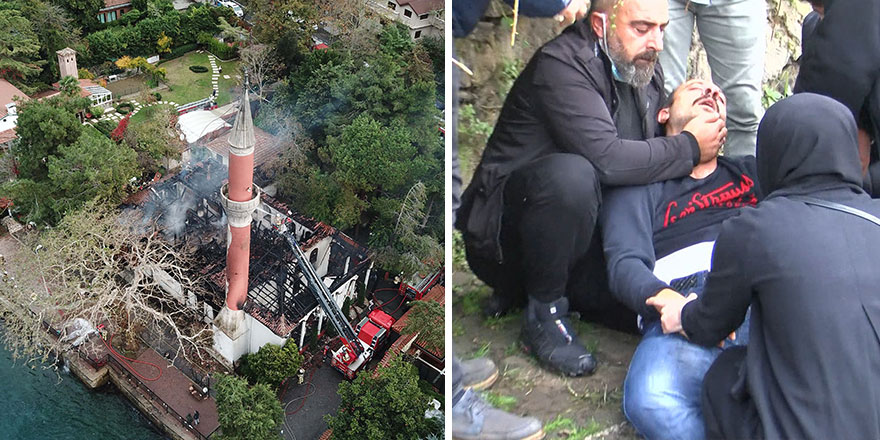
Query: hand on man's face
{"x": 708, "y": 127}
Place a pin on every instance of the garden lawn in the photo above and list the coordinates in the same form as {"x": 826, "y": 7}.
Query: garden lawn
{"x": 187, "y": 86}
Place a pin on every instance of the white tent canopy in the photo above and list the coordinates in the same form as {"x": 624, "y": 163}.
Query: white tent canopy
{"x": 198, "y": 123}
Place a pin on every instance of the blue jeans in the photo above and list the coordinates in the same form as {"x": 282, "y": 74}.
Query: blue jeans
{"x": 661, "y": 393}
{"x": 732, "y": 32}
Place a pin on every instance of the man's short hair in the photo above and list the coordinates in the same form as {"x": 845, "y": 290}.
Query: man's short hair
{"x": 601, "y": 5}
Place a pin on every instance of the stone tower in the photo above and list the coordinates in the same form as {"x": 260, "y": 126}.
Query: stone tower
{"x": 67, "y": 63}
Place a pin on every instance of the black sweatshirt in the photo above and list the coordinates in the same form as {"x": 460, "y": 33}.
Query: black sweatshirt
{"x": 642, "y": 224}
{"x": 811, "y": 277}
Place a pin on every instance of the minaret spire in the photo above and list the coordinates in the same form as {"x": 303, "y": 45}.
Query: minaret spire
{"x": 240, "y": 197}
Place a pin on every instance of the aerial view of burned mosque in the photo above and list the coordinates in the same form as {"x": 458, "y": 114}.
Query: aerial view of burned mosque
{"x": 245, "y": 246}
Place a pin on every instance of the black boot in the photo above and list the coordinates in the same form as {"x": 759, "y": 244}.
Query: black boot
{"x": 547, "y": 334}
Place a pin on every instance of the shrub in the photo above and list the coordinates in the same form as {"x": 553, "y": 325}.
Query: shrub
{"x": 105, "y": 127}
{"x": 124, "y": 108}
{"x": 198, "y": 69}
{"x": 85, "y": 74}
{"x": 272, "y": 364}
{"x": 222, "y": 50}
{"x": 96, "y": 111}
{"x": 179, "y": 51}
{"x": 157, "y": 95}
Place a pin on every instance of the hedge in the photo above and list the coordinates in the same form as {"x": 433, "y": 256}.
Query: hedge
{"x": 124, "y": 108}
{"x": 198, "y": 69}
{"x": 222, "y": 51}
{"x": 179, "y": 51}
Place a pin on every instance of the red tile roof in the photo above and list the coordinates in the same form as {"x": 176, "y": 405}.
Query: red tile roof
{"x": 7, "y": 92}
{"x": 422, "y": 6}
{"x": 8, "y": 135}
{"x": 268, "y": 147}
{"x": 436, "y": 294}
{"x": 116, "y": 3}
{"x": 326, "y": 435}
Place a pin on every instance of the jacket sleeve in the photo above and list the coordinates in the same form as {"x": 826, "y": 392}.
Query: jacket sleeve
{"x": 627, "y": 236}
{"x": 540, "y": 8}
{"x": 842, "y": 57}
{"x": 722, "y": 306}
{"x": 579, "y": 122}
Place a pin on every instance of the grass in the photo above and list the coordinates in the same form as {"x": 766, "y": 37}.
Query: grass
{"x": 187, "y": 86}
{"x": 563, "y": 427}
{"x": 496, "y": 323}
{"x": 458, "y": 329}
{"x": 500, "y": 401}
{"x": 469, "y": 302}
{"x": 482, "y": 351}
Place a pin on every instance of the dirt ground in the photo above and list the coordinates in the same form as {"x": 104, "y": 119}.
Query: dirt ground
{"x": 570, "y": 408}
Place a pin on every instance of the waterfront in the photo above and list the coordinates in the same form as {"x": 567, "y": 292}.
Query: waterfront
{"x": 37, "y": 405}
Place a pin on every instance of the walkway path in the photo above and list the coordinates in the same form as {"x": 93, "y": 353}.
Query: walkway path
{"x": 172, "y": 387}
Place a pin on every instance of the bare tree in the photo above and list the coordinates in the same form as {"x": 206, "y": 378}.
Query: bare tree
{"x": 96, "y": 266}
{"x": 260, "y": 64}
{"x": 355, "y": 23}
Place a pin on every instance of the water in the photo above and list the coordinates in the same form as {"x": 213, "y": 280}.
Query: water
{"x": 35, "y": 405}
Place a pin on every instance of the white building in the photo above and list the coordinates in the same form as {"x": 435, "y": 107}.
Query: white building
{"x": 424, "y": 18}
{"x": 9, "y": 112}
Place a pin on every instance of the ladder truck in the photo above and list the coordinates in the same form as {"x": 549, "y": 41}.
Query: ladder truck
{"x": 357, "y": 347}
{"x": 423, "y": 286}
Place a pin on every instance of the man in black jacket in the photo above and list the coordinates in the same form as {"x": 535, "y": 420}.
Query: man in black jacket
{"x": 660, "y": 236}
{"x": 841, "y": 59}
{"x": 809, "y": 272}
{"x": 576, "y": 118}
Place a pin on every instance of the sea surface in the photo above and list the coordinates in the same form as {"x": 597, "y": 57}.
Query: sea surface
{"x": 40, "y": 404}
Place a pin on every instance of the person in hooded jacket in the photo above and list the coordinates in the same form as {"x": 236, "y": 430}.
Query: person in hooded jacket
{"x": 809, "y": 272}
{"x": 841, "y": 59}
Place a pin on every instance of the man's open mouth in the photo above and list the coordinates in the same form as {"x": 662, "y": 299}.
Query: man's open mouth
{"x": 707, "y": 101}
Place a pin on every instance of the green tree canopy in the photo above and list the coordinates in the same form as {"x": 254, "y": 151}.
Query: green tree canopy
{"x": 426, "y": 319}
{"x": 93, "y": 167}
{"x": 19, "y": 48}
{"x": 272, "y": 364}
{"x": 247, "y": 413}
{"x": 84, "y": 12}
{"x": 43, "y": 126}
{"x": 385, "y": 405}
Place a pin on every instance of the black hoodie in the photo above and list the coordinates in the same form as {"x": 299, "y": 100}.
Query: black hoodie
{"x": 811, "y": 276}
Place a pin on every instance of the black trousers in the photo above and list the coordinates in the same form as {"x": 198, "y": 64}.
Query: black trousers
{"x": 550, "y": 242}
{"x": 728, "y": 411}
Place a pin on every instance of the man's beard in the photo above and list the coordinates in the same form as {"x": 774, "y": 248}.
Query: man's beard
{"x": 635, "y": 74}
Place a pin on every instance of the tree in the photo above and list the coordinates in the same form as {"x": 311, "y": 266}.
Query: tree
{"x": 93, "y": 167}
{"x": 163, "y": 44}
{"x": 154, "y": 139}
{"x": 55, "y": 31}
{"x": 85, "y": 12}
{"x": 274, "y": 19}
{"x": 426, "y": 319}
{"x": 19, "y": 48}
{"x": 69, "y": 86}
{"x": 104, "y": 268}
{"x": 387, "y": 404}
{"x": 42, "y": 127}
{"x": 247, "y": 413}
{"x": 260, "y": 64}
{"x": 230, "y": 32}
{"x": 272, "y": 364}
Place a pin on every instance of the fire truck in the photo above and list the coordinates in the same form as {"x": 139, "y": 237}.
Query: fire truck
{"x": 352, "y": 349}
{"x": 422, "y": 286}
